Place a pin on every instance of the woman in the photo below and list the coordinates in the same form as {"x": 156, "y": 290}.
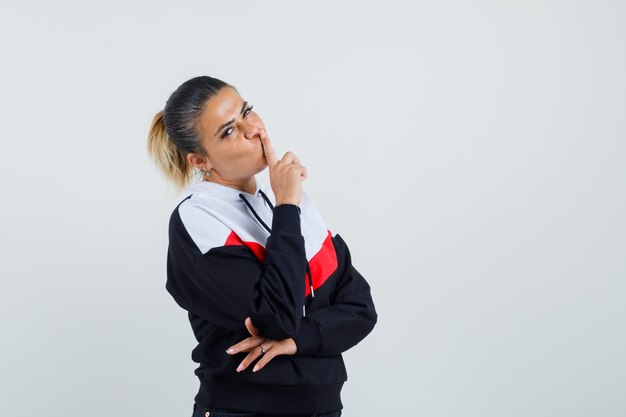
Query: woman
{"x": 287, "y": 296}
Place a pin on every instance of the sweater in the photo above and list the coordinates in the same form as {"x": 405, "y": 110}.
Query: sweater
{"x": 294, "y": 279}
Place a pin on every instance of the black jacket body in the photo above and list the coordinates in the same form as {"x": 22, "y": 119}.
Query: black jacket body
{"x": 294, "y": 279}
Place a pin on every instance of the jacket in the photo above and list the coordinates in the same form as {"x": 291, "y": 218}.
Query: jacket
{"x": 294, "y": 279}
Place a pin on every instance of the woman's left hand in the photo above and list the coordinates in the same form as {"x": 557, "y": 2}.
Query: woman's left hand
{"x": 253, "y": 343}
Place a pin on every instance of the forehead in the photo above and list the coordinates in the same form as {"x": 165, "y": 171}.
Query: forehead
{"x": 220, "y": 108}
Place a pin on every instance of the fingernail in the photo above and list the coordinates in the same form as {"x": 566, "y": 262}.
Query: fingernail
{"x": 256, "y": 368}
{"x": 239, "y": 368}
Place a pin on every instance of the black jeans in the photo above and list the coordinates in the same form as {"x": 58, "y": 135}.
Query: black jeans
{"x": 203, "y": 411}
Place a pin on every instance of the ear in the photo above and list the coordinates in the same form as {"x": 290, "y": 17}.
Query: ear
{"x": 199, "y": 162}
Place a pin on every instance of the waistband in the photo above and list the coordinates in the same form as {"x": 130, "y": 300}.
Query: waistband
{"x": 271, "y": 399}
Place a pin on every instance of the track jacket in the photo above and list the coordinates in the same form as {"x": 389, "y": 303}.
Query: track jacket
{"x": 294, "y": 279}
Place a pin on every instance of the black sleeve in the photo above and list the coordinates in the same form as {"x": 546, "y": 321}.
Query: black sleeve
{"x": 334, "y": 329}
{"x": 229, "y": 283}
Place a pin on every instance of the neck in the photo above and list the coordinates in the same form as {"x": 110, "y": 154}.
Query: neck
{"x": 247, "y": 185}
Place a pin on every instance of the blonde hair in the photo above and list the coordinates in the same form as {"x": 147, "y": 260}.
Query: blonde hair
{"x": 175, "y": 132}
{"x": 166, "y": 155}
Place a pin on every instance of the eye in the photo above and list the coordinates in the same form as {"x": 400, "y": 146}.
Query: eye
{"x": 227, "y": 131}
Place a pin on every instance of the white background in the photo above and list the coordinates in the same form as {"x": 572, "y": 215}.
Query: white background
{"x": 471, "y": 153}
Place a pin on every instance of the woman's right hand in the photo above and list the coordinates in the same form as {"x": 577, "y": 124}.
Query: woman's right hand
{"x": 286, "y": 174}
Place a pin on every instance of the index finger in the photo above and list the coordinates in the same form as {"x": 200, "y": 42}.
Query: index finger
{"x": 268, "y": 150}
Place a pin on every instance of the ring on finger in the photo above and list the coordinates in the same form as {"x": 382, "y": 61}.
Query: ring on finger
{"x": 262, "y": 350}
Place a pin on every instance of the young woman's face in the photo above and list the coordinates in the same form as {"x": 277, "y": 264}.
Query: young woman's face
{"x": 230, "y": 135}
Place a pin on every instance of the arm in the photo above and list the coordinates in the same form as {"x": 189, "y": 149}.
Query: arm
{"x": 228, "y": 283}
{"x": 334, "y": 329}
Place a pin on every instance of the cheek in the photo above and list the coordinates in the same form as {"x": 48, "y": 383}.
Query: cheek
{"x": 237, "y": 153}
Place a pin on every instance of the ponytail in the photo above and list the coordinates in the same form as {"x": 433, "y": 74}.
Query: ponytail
{"x": 166, "y": 156}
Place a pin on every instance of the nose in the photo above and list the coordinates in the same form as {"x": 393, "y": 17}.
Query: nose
{"x": 251, "y": 132}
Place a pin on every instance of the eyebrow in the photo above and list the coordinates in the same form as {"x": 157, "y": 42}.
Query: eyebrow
{"x": 245, "y": 103}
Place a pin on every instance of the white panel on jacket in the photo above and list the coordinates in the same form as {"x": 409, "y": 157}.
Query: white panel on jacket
{"x": 205, "y": 230}
{"x": 314, "y": 229}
